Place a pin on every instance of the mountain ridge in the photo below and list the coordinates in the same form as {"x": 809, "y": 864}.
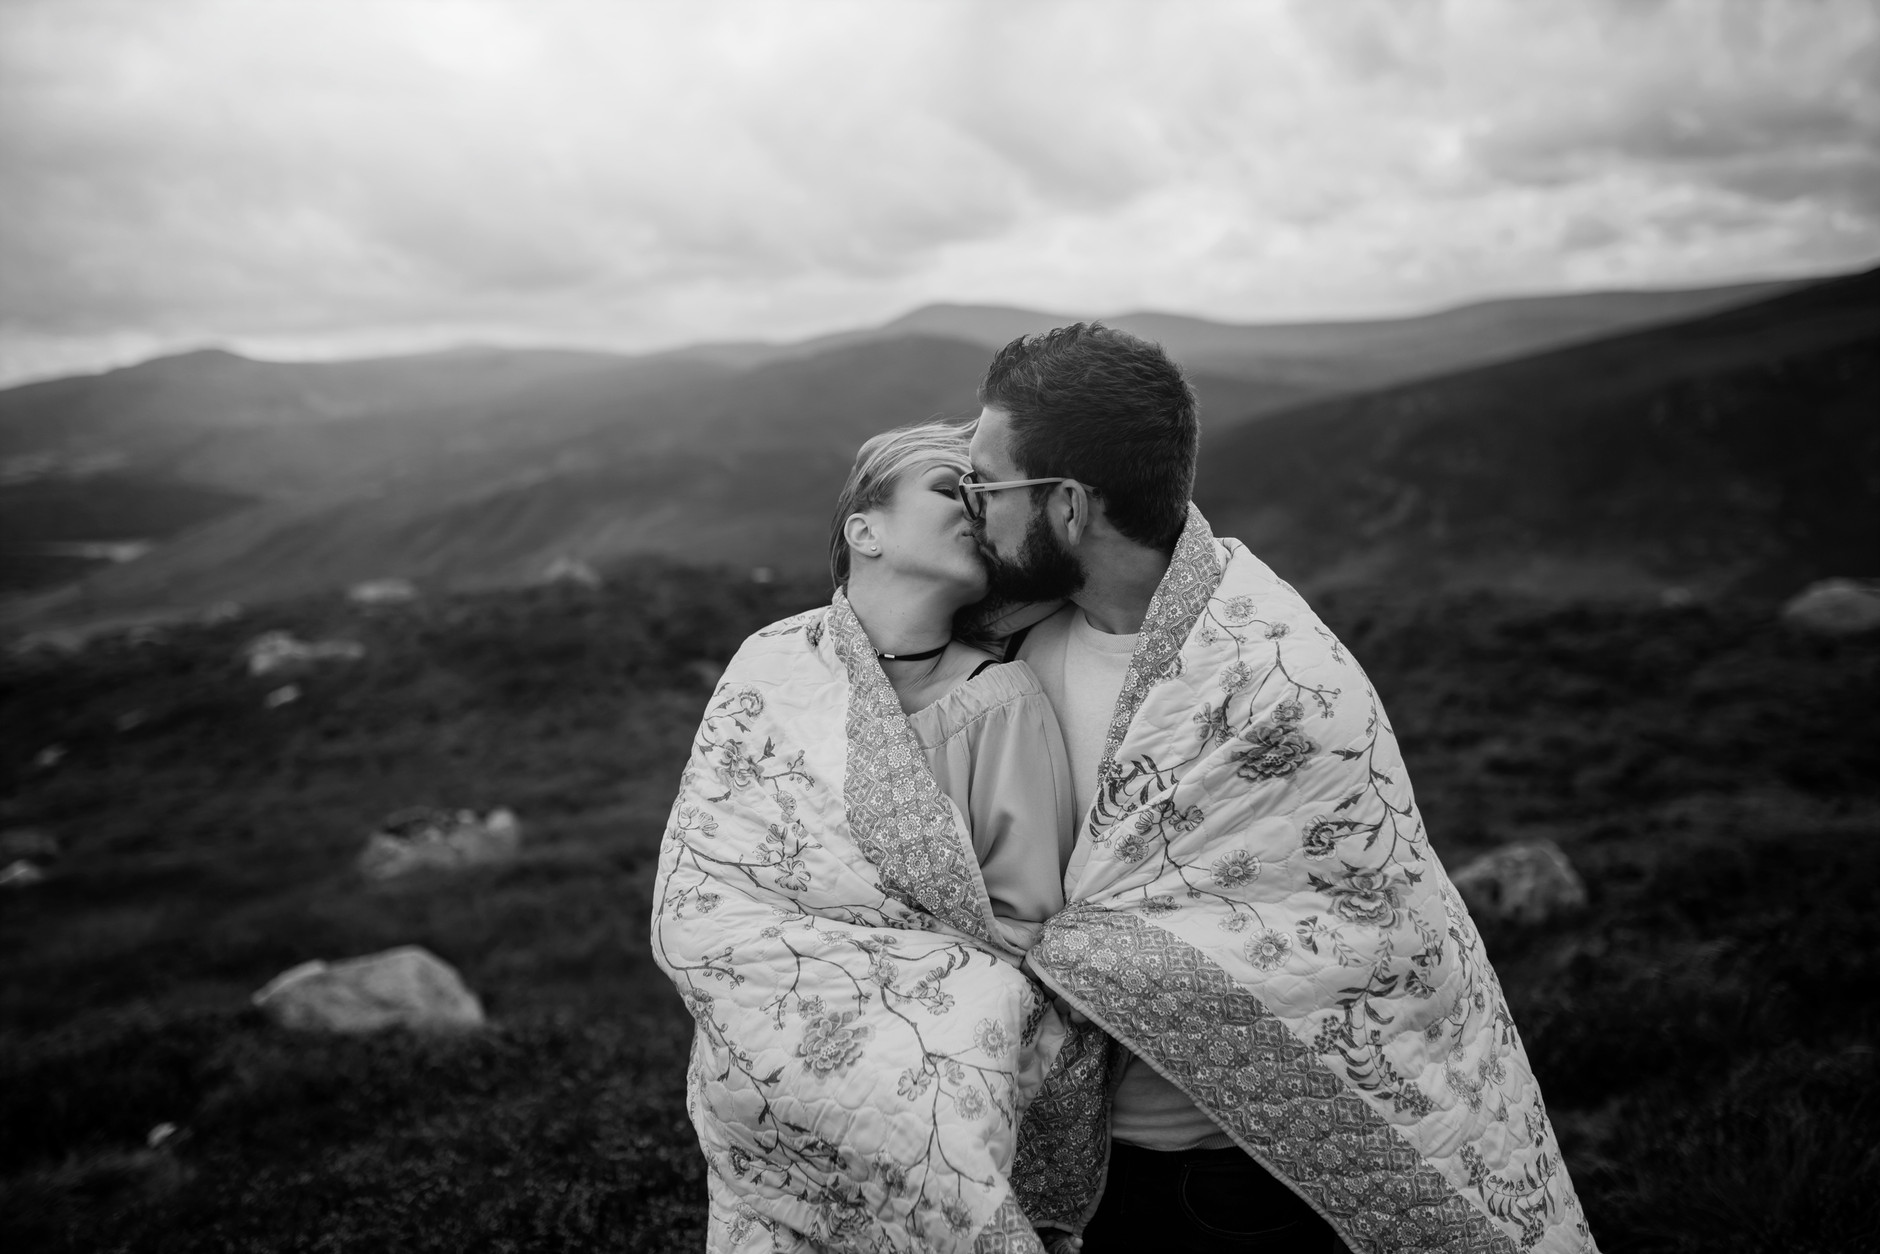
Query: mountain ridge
{"x": 510, "y": 460}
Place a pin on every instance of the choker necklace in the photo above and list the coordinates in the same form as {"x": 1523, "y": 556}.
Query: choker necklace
{"x": 912, "y": 657}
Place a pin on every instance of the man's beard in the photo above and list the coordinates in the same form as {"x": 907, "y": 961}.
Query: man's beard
{"x": 1044, "y": 570}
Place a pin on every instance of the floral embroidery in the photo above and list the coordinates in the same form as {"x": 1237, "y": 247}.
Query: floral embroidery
{"x": 1322, "y": 833}
{"x": 991, "y": 1036}
{"x": 1365, "y": 895}
{"x": 1275, "y": 751}
{"x": 1236, "y": 868}
{"x": 1238, "y": 611}
{"x": 1269, "y": 949}
{"x": 832, "y": 1042}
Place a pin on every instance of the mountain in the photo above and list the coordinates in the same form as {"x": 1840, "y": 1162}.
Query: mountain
{"x": 710, "y": 466}
{"x": 1736, "y": 449}
{"x": 279, "y": 428}
{"x": 1293, "y": 360}
{"x": 1285, "y": 363}
{"x": 483, "y": 466}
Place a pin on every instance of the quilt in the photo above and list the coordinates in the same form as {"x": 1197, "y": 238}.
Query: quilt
{"x": 866, "y": 1049}
{"x": 1255, "y": 910}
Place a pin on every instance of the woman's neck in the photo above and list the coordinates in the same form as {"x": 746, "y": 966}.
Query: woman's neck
{"x": 902, "y": 615}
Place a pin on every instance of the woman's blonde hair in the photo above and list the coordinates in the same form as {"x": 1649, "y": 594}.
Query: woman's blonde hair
{"x": 879, "y": 465}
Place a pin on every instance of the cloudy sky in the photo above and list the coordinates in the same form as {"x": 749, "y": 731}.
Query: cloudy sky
{"x": 350, "y": 176}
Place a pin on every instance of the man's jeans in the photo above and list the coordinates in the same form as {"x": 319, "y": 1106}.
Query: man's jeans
{"x": 1203, "y": 1201}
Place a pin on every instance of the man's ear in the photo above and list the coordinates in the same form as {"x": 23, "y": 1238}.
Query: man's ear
{"x": 1077, "y": 507}
{"x": 860, "y": 533}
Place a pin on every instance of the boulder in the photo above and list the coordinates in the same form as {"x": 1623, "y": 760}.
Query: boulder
{"x": 405, "y": 987}
{"x": 382, "y": 592}
{"x": 284, "y": 695}
{"x": 425, "y": 839}
{"x": 1835, "y": 607}
{"x": 1527, "y": 883}
{"x": 276, "y": 651}
{"x": 20, "y": 874}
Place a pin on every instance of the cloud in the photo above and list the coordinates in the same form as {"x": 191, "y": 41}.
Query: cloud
{"x": 319, "y": 178}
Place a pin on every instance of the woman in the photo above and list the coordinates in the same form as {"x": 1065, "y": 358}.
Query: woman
{"x": 903, "y": 552}
{"x": 870, "y": 830}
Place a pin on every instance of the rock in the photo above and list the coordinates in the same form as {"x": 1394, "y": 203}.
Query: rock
{"x": 20, "y": 874}
{"x": 382, "y": 592}
{"x": 279, "y": 651}
{"x": 158, "y": 1135}
{"x": 1530, "y": 882}
{"x": 1836, "y": 607}
{"x": 286, "y": 695}
{"x": 131, "y": 720}
{"x": 422, "y": 838}
{"x": 405, "y": 987}
{"x": 571, "y": 570}
{"x": 49, "y": 757}
{"x": 28, "y": 842}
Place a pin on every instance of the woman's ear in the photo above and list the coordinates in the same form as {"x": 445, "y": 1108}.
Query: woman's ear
{"x": 860, "y": 533}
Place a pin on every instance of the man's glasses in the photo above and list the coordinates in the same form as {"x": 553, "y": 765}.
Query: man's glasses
{"x": 972, "y": 491}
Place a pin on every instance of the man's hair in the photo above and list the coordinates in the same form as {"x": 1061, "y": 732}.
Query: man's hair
{"x": 1109, "y": 410}
{"x": 879, "y": 465}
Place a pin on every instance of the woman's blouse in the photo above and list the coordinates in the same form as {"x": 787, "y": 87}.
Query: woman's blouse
{"x": 996, "y": 748}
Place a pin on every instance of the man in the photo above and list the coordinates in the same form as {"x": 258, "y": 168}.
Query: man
{"x": 1316, "y": 1049}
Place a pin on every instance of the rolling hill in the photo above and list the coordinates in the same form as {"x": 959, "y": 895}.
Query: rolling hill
{"x": 720, "y": 465}
{"x": 481, "y": 467}
{"x": 1737, "y": 449}
{"x": 1291, "y": 361}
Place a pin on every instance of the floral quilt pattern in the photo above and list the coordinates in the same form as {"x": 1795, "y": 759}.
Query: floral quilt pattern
{"x": 864, "y": 1051}
{"x": 1258, "y": 914}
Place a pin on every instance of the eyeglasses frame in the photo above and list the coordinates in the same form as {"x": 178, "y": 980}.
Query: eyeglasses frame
{"x": 970, "y": 488}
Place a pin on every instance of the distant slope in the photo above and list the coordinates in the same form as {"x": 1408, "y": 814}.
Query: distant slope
{"x": 1294, "y": 360}
{"x": 52, "y": 528}
{"x": 737, "y": 467}
{"x": 482, "y": 466}
{"x": 1342, "y": 356}
{"x": 273, "y": 428}
{"x": 1741, "y": 448}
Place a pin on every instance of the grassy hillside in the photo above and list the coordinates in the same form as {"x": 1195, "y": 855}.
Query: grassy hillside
{"x": 1738, "y": 449}
{"x": 40, "y": 516}
{"x": 1705, "y": 1034}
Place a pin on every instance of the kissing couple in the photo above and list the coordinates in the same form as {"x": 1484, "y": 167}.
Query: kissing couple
{"x": 1060, "y": 884}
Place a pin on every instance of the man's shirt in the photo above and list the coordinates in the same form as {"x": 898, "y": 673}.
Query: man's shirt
{"x": 1081, "y": 670}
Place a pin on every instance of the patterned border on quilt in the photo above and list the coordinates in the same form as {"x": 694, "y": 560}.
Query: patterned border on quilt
{"x": 901, "y": 820}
